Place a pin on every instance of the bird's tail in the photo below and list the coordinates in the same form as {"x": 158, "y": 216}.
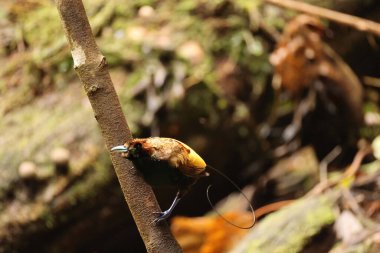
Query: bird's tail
{"x": 237, "y": 188}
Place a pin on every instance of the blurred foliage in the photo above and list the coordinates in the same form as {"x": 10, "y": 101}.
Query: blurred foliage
{"x": 211, "y": 56}
{"x": 195, "y": 70}
{"x": 173, "y": 47}
{"x": 170, "y": 63}
{"x": 181, "y": 69}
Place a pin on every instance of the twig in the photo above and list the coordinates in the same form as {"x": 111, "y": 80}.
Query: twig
{"x": 271, "y": 208}
{"x": 355, "y": 165}
{"x": 371, "y": 81}
{"x": 91, "y": 67}
{"x": 353, "y": 203}
{"x": 360, "y": 24}
{"x": 326, "y": 161}
{"x": 349, "y": 172}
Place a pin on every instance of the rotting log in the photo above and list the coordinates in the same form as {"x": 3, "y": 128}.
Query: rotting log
{"x": 291, "y": 228}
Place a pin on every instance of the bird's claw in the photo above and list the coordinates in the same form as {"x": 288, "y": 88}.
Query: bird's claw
{"x": 161, "y": 216}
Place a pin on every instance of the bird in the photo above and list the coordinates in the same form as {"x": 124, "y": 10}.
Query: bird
{"x": 165, "y": 162}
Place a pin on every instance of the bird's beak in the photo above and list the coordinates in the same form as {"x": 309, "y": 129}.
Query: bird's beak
{"x": 120, "y": 149}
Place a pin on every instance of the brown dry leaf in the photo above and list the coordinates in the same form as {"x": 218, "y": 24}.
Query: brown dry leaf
{"x": 299, "y": 46}
{"x": 210, "y": 234}
{"x": 302, "y": 60}
{"x": 328, "y": 95}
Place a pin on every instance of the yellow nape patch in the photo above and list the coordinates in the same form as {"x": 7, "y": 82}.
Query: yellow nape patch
{"x": 194, "y": 160}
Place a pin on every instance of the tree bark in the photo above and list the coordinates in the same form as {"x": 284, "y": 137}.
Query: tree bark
{"x": 91, "y": 67}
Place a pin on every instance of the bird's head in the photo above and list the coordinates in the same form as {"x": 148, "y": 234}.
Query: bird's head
{"x": 132, "y": 150}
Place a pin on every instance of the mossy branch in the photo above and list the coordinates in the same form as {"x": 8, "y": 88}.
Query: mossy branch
{"x": 91, "y": 67}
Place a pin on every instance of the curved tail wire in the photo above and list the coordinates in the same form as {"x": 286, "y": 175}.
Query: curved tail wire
{"x": 237, "y": 188}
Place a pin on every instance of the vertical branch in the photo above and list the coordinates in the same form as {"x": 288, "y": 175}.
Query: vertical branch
{"x": 91, "y": 67}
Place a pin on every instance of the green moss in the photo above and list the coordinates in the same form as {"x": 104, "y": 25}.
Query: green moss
{"x": 289, "y": 229}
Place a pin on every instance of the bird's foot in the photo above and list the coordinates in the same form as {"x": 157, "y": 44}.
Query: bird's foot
{"x": 161, "y": 216}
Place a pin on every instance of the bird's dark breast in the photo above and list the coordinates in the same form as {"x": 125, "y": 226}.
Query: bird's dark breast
{"x": 158, "y": 173}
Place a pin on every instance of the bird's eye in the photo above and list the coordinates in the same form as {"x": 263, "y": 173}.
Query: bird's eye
{"x": 138, "y": 146}
{"x": 135, "y": 150}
